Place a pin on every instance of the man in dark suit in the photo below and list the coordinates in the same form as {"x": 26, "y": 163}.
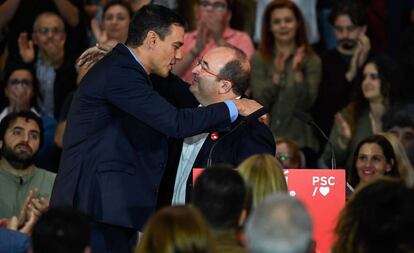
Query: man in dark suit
{"x": 222, "y": 74}
{"x": 115, "y": 145}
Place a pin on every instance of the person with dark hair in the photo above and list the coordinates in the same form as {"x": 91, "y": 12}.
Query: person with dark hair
{"x": 222, "y": 74}
{"x": 213, "y": 30}
{"x": 341, "y": 66}
{"x": 286, "y": 72}
{"x": 374, "y": 157}
{"x": 115, "y": 143}
{"x": 61, "y": 230}
{"x": 400, "y": 122}
{"x": 21, "y": 182}
{"x": 176, "y": 229}
{"x": 377, "y": 93}
{"x": 221, "y": 196}
{"x": 378, "y": 218}
{"x": 20, "y": 90}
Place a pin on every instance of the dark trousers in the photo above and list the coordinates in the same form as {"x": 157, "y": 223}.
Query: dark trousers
{"x": 108, "y": 238}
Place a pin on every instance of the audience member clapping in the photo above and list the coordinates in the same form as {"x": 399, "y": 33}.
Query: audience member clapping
{"x": 286, "y": 72}
{"x": 363, "y": 116}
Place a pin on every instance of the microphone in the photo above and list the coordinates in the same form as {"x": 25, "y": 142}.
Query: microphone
{"x": 307, "y": 118}
{"x": 253, "y": 116}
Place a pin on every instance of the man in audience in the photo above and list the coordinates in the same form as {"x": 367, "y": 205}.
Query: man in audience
{"x": 401, "y": 123}
{"x": 280, "y": 224}
{"x": 341, "y": 66}
{"x": 213, "y": 30}
{"x": 221, "y": 196}
{"x": 222, "y": 74}
{"x": 61, "y": 230}
{"x": 55, "y": 70}
{"x": 22, "y": 185}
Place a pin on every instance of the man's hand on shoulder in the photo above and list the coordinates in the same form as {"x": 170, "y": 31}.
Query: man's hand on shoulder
{"x": 246, "y": 106}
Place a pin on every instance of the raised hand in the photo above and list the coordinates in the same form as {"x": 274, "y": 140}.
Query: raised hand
{"x": 298, "y": 58}
{"x": 100, "y": 35}
{"x": 26, "y": 48}
{"x": 343, "y": 128}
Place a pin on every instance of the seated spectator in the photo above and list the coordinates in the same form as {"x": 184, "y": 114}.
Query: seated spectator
{"x": 378, "y": 218}
{"x": 363, "y": 116}
{"x": 21, "y": 135}
{"x": 374, "y": 157}
{"x": 213, "y": 30}
{"x": 61, "y": 230}
{"x": 220, "y": 194}
{"x": 280, "y": 224}
{"x": 400, "y": 122}
{"x": 55, "y": 70}
{"x": 263, "y": 175}
{"x": 289, "y": 154}
{"x": 176, "y": 229}
{"x": 286, "y": 72}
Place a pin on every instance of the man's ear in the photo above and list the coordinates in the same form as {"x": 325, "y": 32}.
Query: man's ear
{"x": 364, "y": 29}
{"x": 151, "y": 40}
{"x": 225, "y": 86}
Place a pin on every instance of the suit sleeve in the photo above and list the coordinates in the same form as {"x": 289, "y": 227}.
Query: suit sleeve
{"x": 131, "y": 92}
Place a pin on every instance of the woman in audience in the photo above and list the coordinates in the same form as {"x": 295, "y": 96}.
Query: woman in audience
{"x": 378, "y": 218}
{"x": 263, "y": 176}
{"x": 374, "y": 157}
{"x": 115, "y": 22}
{"x": 405, "y": 168}
{"x": 176, "y": 229}
{"x": 289, "y": 154}
{"x": 286, "y": 72}
{"x": 363, "y": 116}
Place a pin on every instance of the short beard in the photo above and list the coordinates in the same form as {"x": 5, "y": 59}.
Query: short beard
{"x": 17, "y": 161}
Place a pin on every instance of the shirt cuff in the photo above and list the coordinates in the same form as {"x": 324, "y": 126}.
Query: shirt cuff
{"x": 232, "y": 110}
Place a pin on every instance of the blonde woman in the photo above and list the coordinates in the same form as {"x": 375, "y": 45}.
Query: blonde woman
{"x": 263, "y": 175}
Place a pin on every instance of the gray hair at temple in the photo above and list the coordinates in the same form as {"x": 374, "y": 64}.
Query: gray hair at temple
{"x": 279, "y": 224}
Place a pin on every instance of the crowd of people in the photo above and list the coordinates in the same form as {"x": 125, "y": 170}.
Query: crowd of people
{"x": 98, "y": 146}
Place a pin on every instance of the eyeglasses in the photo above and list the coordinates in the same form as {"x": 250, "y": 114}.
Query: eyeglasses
{"x": 24, "y": 82}
{"x": 218, "y": 6}
{"x": 204, "y": 67}
{"x": 282, "y": 157}
{"x": 46, "y": 30}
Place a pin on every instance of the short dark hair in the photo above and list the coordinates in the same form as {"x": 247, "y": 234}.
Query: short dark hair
{"x": 389, "y": 155}
{"x": 237, "y": 71}
{"x": 152, "y": 18}
{"x": 351, "y": 8}
{"x": 120, "y": 3}
{"x": 220, "y": 194}
{"x": 7, "y": 121}
{"x": 61, "y": 230}
{"x": 402, "y": 116}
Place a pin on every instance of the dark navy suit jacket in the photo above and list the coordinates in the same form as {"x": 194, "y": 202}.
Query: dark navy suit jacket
{"x": 249, "y": 138}
{"x": 115, "y": 143}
